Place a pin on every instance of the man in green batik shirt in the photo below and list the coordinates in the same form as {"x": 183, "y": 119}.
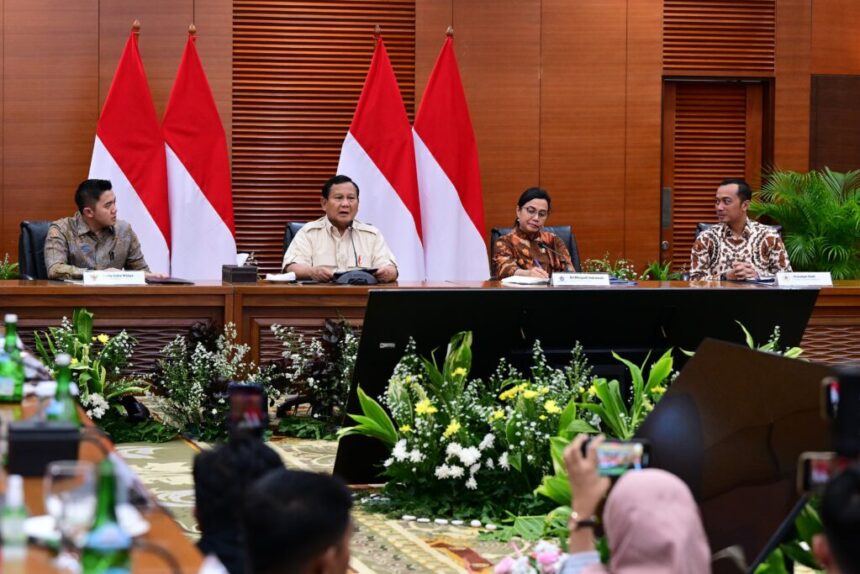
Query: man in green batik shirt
{"x": 92, "y": 238}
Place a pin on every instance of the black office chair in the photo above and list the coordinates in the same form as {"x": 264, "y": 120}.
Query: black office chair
{"x": 700, "y": 227}
{"x": 564, "y": 233}
{"x": 290, "y": 231}
{"x": 31, "y": 249}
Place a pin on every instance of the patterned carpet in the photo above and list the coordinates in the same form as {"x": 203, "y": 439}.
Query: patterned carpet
{"x": 380, "y": 545}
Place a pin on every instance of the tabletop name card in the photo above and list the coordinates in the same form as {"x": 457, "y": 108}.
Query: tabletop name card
{"x": 804, "y": 279}
{"x": 580, "y": 279}
{"x": 114, "y": 278}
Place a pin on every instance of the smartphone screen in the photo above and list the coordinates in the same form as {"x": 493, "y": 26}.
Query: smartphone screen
{"x": 248, "y": 411}
{"x": 614, "y": 458}
{"x": 816, "y": 469}
{"x": 829, "y": 397}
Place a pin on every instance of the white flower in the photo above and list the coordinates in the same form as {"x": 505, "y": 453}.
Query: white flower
{"x": 487, "y": 441}
{"x": 503, "y": 461}
{"x": 455, "y": 471}
{"x": 399, "y": 452}
{"x": 388, "y": 462}
{"x": 474, "y": 468}
{"x": 453, "y": 449}
{"x": 443, "y": 472}
{"x": 469, "y": 456}
{"x": 472, "y": 484}
{"x": 491, "y": 464}
{"x": 416, "y": 455}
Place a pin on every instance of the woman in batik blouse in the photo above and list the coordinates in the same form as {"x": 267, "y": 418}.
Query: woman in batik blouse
{"x": 529, "y": 250}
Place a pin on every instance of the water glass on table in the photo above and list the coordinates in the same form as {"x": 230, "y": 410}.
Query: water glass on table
{"x": 70, "y": 498}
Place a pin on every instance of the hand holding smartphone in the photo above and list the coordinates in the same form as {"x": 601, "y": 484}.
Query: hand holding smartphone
{"x": 249, "y": 413}
{"x": 615, "y": 457}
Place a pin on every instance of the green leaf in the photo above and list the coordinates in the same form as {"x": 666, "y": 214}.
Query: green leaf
{"x": 568, "y": 415}
{"x": 375, "y": 412}
{"x": 747, "y": 335}
{"x": 775, "y": 564}
{"x": 660, "y": 370}
{"x": 579, "y": 426}
{"x": 516, "y": 460}
{"x": 529, "y": 527}
{"x": 557, "y": 445}
{"x": 555, "y": 488}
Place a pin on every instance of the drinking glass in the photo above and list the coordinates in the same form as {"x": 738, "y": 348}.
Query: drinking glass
{"x": 70, "y": 498}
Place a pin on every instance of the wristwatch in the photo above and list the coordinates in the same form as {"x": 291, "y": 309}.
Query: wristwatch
{"x": 577, "y": 522}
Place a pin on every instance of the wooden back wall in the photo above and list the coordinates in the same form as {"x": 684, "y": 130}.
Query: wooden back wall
{"x": 566, "y": 95}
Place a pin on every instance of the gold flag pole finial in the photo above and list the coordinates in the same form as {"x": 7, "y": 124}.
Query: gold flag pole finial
{"x": 450, "y": 32}
{"x": 192, "y": 29}
{"x": 377, "y": 31}
{"x": 135, "y": 28}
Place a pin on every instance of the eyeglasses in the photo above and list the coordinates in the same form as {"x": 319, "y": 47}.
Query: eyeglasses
{"x": 531, "y": 211}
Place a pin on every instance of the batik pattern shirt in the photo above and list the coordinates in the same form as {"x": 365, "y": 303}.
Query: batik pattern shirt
{"x": 517, "y": 250}
{"x": 717, "y": 249}
{"x": 72, "y": 248}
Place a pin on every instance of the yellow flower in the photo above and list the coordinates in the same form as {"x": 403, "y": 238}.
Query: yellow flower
{"x": 530, "y": 394}
{"x": 406, "y": 429}
{"x": 425, "y": 407}
{"x": 551, "y": 407}
{"x": 509, "y": 394}
{"x": 542, "y": 417}
{"x": 460, "y": 372}
{"x": 592, "y": 391}
{"x": 658, "y": 390}
{"x": 453, "y": 428}
{"x": 103, "y": 339}
{"x": 74, "y": 361}
{"x": 498, "y": 414}
{"x": 543, "y": 390}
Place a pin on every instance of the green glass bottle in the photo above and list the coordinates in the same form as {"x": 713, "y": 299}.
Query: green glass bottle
{"x": 11, "y": 366}
{"x": 63, "y": 407}
{"x": 107, "y": 548}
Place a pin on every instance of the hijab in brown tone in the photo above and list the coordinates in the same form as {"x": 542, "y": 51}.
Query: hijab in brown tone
{"x": 653, "y": 526}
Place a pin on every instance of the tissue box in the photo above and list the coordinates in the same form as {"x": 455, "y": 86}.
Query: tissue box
{"x": 237, "y": 274}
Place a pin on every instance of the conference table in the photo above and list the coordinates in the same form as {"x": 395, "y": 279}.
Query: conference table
{"x": 164, "y": 532}
{"x": 155, "y": 314}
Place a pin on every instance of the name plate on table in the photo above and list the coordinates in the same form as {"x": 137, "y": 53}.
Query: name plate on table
{"x": 580, "y": 279}
{"x": 114, "y": 278}
{"x": 804, "y": 279}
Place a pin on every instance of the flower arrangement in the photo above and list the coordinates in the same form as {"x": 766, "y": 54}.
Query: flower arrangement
{"x": 544, "y": 558}
{"x": 97, "y": 362}
{"x": 470, "y": 447}
{"x": 316, "y": 371}
{"x": 8, "y": 269}
{"x": 191, "y": 380}
{"x": 621, "y": 268}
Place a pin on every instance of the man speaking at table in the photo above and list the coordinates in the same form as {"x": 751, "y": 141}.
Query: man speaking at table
{"x": 737, "y": 248}
{"x": 93, "y": 238}
{"x": 337, "y": 242}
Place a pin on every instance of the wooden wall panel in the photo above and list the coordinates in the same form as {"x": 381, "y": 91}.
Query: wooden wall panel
{"x": 834, "y": 25}
{"x": 214, "y": 20}
{"x": 835, "y": 122}
{"x": 50, "y": 94}
{"x": 582, "y": 137}
{"x": 432, "y": 18}
{"x": 498, "y": 49}
{"x": 792, "y": 85}
{"x": 643, "y": 131}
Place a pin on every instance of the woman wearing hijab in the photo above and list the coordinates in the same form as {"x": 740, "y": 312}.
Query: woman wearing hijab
{"x": 528, "y": 249}
{"x": 651, "y": 520}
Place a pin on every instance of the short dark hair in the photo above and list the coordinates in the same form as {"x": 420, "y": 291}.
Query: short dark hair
{"x": 292, "y": 516}
{"x": 744, "y": 191}
{"x": 89, "y": 192}
{"x": 326, "y": 188}
{"x": 534, "y": 193}
{"x": 222, "y": 475}
{"x": 840, "y": 515}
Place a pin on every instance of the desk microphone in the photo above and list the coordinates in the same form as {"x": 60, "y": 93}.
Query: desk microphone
{"x": 544, "y": 247}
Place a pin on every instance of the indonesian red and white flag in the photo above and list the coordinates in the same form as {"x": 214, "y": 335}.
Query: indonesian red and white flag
{"x": 198, "y": 175}
{"x": 449, "y": 179}
{"x": 379, "y": 156}
{"x": 129, "y": 151}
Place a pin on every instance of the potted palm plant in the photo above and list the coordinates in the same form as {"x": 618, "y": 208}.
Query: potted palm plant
{"x": 820, "y": 216}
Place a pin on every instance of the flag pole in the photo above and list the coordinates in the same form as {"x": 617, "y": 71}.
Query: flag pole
{"x": 450, "y": 32}
{"x": 135, "y": 27}
{"x": 192, "y": 30}
{"x": 377, "y": 32}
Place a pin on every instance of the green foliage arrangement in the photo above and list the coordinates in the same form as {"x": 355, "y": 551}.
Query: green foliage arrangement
{"x": 191, "y": 379}
{"x": 8, "y": 269}
{"x": 317, "y": 372}
{"x": 656, "y": 271}
{"x": 820, "y": 216}
{"x": 620, "y": 268}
